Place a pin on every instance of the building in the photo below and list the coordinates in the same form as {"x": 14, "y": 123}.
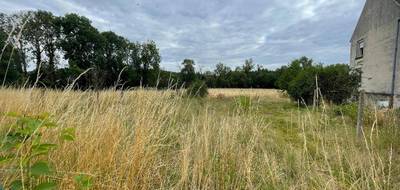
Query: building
{"x": 374, "y": 49}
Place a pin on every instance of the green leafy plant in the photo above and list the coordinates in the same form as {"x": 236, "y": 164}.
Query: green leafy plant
{"x": 349, "y": 110}
{"x": 83, "y": 181}
{"x": 25, "y": 152}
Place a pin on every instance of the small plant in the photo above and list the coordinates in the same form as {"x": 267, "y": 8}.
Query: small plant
{"x": 84, "y": 182}
{"x": 349, "y": 110}
{"x": 243, "y": 103}
{"x": 24, "y": 152}
{"x": 197, "y": 89}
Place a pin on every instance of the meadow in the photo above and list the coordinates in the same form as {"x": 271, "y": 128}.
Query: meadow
{"x": 233, "y": 139}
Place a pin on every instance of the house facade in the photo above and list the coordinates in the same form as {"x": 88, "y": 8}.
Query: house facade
{"x": 375, "y": 50}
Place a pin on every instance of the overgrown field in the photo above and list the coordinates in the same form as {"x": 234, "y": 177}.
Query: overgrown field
{"x": 234, "y": 139}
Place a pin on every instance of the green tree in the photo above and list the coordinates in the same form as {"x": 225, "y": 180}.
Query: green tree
{"x": 45, "y": 39}
{"x": 188, "y": 74}
{"x": 51, "y": 41}
{"x": 221, "y": 69}
{"x": 222, "y": 73}
{"x": 135, "y": 63}
{"x": 339, "y": 82}
{"x": 336, "y": 83}
{"x": 83, "y": 47}
{"x": 303, "y": 85}
{"x": 36, "y": 35}
{"x": 288, "y": 73}
{"x": 149, "y": 62}
{"x": 116, "y": 54}
{"x": 248, "y": 66}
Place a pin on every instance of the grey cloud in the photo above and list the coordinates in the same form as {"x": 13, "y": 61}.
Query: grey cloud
{"x": 272, "y": 32}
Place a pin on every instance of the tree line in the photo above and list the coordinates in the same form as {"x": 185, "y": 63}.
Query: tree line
{"x": 302, "y": 79}
{"x": 36, "y": 43}
{"x": 247, "y": 76}
{"x": 43, "y": 50}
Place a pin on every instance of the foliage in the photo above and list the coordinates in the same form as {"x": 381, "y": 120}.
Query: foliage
{"x": 242, "y": 77}
{"x": 349, "y": 110}
{"x": 339, "y": 82}
{"x": 84, "y": 182}
{"x": 107, "y": 58}
{"x": 288, "y": 73}
{"x": 188, "y": 74}
{"x": 197, "y": 89}
{"x": 303, "y": 85}
{"x": 248, "y": 66}
{"x": 24, "y": 151}
{"x": 10, "y": 70}
{"x": 336, "y": 83}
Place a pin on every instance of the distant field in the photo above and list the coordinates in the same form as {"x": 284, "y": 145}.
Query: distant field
{"x": 234, "y": 139}
{"x": 234, "y": 92}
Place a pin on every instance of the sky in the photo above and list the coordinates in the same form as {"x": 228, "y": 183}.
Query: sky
{"x": 271, "y": 32}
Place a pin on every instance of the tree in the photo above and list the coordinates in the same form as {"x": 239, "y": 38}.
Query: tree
{"x": 51, "y": 40}
{"x": 14, "y": 25}
{"x": 9, "y": 61}
{"x": 248, "y": 66}
{"x": 222, "y": 73}
{"x": 135, "y": 63}
{"x": 34, "y": 33}
{"x": 82, "y": 46}
{"x": 48, "y": 26}
{"x": 339, "y": 82}
{"x": 115, "y": 58}
{"x": 221, "y": 69}
{"x": 288, "y": 73}
{"x": 188, "y": 74}
{"x": 149, "y": 61}
{"x": 263, "y": 78}
{"x": 108, "y": 57}
{"x": 303, "y": 85}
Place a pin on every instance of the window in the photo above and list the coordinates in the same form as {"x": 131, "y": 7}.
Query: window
{"x": 360, "y": 49}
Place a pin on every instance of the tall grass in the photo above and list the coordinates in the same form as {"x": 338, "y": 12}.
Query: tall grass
{"x": 147, "y": 139}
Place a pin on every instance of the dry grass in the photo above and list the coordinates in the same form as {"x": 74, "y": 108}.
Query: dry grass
{"x": 234, "y": 92}
{"x": 160, "y": 140}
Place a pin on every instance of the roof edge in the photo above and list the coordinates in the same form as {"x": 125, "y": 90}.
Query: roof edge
{"x": 396, "y": 2}
{"x": 358, "y": 21}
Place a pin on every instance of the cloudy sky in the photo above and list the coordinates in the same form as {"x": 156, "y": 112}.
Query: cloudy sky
{"x": 272, "y": 32}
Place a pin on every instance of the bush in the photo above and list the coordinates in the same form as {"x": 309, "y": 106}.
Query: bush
{"x": 349, "y": 110}
{"x": 337, "y": 83}
{"x": 197, "y": 89}
{"x": 303, "y": 85}
{"x": 23, "y": 148}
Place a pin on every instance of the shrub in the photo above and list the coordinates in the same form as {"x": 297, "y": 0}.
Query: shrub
{"x": 303, "y": 85}
{"x": 23, "y": 143}
{"x": 337, "y": 83}
{"x": 197, "y": 89}
{"x": 22, "y": 147}
{"x": 349, "y": 110}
